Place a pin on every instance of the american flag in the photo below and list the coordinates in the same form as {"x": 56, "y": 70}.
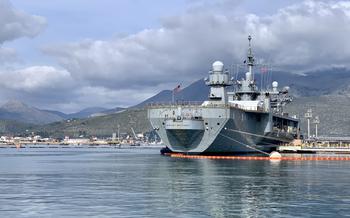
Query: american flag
{"x": 264, "y": 69}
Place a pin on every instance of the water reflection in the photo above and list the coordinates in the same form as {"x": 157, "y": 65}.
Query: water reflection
{"x": 222, "y": 188}
{"x": 141, "y": 183}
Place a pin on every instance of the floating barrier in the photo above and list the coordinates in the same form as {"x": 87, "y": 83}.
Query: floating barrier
{"x": 272, "y": 157}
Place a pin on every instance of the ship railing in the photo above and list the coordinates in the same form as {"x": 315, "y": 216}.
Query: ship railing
{"x": 177, "y": 103}
{"x": 185, "y": 117}
{"x": 194, "y": 104}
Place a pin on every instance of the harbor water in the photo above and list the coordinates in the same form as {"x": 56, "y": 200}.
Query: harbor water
{"x": 113, "y": 182}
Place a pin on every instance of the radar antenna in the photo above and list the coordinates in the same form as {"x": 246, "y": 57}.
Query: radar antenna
{"x": 250, "y": 56}
{"x": 250, "y": 61}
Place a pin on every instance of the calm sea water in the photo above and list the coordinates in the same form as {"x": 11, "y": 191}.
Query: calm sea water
{"x": 141, "y": 183}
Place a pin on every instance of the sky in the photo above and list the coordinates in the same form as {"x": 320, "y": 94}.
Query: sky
{"x": 71, "y": 54}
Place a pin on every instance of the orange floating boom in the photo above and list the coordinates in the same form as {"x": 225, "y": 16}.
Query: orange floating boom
{"x": 322, "y": 158}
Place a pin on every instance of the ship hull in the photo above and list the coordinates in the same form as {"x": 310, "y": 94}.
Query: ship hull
{"x": 216, "y": 130}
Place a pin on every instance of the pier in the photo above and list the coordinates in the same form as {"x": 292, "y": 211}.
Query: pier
{"x": 318, "y": 145}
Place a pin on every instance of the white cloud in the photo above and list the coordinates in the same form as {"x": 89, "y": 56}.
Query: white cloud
{"x": 35, "y": 79}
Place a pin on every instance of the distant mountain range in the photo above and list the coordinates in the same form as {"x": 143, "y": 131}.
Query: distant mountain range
{"x": 335, "y": 81}
{"x": 20, "y": 112}
{"x": 327, "y": 92}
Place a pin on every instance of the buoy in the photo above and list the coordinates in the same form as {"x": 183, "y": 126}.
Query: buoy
{"x": 275, "y": 155}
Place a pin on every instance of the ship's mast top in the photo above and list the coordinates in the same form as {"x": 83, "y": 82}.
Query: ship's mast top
{"x": 250, "y": 56}
{"x": 246, "y": 89}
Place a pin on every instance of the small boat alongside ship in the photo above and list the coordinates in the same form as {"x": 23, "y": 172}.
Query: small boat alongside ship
{"x": 240, "y": 120}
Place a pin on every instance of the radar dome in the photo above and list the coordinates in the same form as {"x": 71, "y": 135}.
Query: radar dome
{"x": 286, "y": 88}
{"x": 274, "y": 84}
{"x": 218, "y": 66}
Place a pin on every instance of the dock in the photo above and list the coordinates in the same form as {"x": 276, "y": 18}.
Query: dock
{"x": 318, "y": 145}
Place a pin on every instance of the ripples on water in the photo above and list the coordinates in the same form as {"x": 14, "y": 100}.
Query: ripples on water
{"x": 141, "y": 183}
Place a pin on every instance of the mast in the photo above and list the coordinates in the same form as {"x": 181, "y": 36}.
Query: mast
{"x": 246, "y": 88}
{"x": 250, "y": 58}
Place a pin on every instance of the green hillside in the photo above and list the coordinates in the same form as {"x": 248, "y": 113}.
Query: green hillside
{"x": 333, "y": 111}
{"x": 101, "y": 126}
{"x": 10, "y": 127}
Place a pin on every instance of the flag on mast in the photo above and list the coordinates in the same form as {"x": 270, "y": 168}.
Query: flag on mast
{"x": 264, "y": 69}
{"x": 176, "y": 90}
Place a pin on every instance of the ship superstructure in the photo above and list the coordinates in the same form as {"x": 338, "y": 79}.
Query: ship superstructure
{"x": 243, "y": 120}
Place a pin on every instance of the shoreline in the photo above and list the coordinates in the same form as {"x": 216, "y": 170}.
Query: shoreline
{"x": 81, "y": 146}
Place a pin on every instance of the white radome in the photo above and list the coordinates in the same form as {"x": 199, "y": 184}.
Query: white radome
{"x": 218, "y": 66}
{"x": 274, "y": 84}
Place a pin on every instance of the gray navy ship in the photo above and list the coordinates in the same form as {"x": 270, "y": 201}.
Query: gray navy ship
{"x": 240, "y": 120}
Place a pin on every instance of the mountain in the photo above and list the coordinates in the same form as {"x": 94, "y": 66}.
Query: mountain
{"x": 333, "y": 81}
{"x": 18, "y": 111}
{"x": 309, "y": 90}
{"x": 316, "y": 83}
{"x": 87, "y": 112}
{"x": 196, "y": 91}
{"x": 163, "y": 96}
{"x": 58, "y": 113}
{"x": 23, "y": 113}
{"x": 333, "y": 112}
{"x": 326, "y": 92}
{"x": 101, "y": 126}
{"x": 10, "y": 127}
{"x": 109, "y": 111}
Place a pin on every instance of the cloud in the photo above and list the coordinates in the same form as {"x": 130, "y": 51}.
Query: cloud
{"x": 35, "y": 79}
{"x": 52, "y": 88}
{"x": 299, "y": 37}
{"x": 44, "y": 87}
{"x": 8, "y": 55}
{"x": 304, "y": 36}
{"x": 15, "y": 24}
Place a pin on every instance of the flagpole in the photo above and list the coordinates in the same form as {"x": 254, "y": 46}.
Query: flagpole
{"x": 175, "y": 90}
